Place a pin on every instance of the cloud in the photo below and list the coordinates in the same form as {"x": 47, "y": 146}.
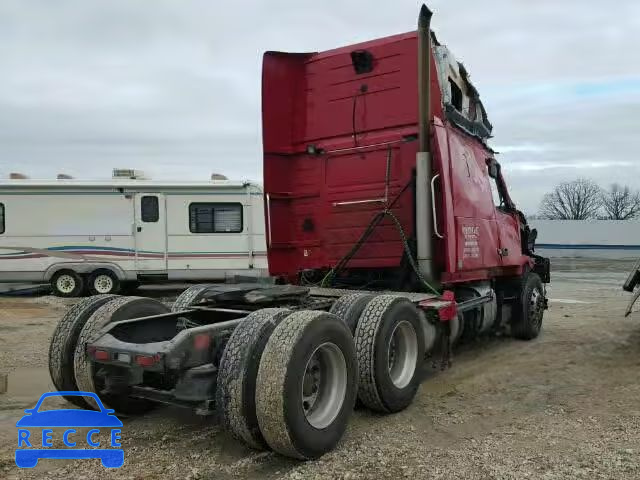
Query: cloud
{"x": 174, "y": 88}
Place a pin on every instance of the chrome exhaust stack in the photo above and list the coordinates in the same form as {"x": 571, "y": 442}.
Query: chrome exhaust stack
{"x": 424, "y": 173}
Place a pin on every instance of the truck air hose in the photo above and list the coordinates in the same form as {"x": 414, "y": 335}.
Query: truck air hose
{"x": 375, "y": 221}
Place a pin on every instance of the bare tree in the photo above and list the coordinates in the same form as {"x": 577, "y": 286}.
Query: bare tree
{"x": 580, "y": 199}
{"x": 620, "y": 203}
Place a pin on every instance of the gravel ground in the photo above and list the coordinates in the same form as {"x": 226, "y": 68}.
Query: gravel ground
{"x": 562, "y": 406}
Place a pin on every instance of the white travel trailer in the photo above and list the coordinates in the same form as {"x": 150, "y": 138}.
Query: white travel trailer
{"x": 100, "y": 236}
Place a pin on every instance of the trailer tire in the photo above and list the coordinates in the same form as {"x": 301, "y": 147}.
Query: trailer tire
{"x": 63, "y": 345}
{"x": 307, "y": 383}
{"x": 236, "y": 384}
{"x": 67, "y": 283}
{"x": 121, "y": 308}
{"x": 528, "y": 310}
{"x": 103, "y": 282}
{"x": 190, "y": 296}
{"x": 350, "y": 307}
{"x": 385, "y": 385}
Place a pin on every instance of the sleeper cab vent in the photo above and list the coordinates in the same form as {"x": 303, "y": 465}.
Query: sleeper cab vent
{"x": 362, "y": 61}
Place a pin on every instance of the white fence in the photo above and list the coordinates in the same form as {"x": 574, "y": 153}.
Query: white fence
{"x": 588, "y": 238}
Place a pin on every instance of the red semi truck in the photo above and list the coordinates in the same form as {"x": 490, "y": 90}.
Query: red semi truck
{"x": 391, "y": 236}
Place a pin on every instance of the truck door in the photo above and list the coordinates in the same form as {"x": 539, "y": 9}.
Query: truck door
{"x": 475, "y": 226}
{"x": 510, "y": 247}
{"x": 150, "y": 233}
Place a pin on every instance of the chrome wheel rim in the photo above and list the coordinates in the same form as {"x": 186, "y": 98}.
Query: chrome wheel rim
{"x": 402, "y": 354}
{"x": 103, "y": 284}
{"x": 536, "y": 307}
{"x": 324, "y": 385}
{"x": 66, "y": 283}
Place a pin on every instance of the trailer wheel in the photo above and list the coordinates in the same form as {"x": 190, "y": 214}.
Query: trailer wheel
{"x": 103, "y": 282}
{"x": 121, "y": 308}
{"x": 236, "y": 384}
{"x": 306, "y": 385}
{"x": 528, "y": 310}
{"x": 350, "y": 307}
{"x": 390, "y": 348}
{"x": 63, "y": 345}
{"x": 67, "y": 283}
{"x": 190, "y": 296}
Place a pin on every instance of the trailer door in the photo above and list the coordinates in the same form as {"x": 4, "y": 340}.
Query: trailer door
{"x": 150, "y": 233}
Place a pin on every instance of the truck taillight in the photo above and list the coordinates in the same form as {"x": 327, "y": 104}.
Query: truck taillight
{"x": 101, "y": 355}
{"x": 201, "y": 341}
{"x": 147, "y": 360}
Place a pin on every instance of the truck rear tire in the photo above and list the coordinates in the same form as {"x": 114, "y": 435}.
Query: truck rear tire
{"x": 103, "y": 282}
{"x": 306, "y": 385}
{"x": 67, "y": 283}
{"x": 121, "y": 308}
{"x": 390, "y": 349}
{"x": 350, "y": 307}
{"x": 190, "y": 296}
{"x": 63, "y": 345}
{"x": 236, "y": 384}
{"x": 528, "y": 310}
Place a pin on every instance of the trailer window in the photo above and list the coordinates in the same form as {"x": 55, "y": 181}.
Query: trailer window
{"x": 1, "y": 218}
{"x": 215, "y": 217}
{"x": 149, "y": 210}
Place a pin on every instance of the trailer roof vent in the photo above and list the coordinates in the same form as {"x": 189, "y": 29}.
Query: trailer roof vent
{"x": 362, "y": 61}
{"x": 128, "y": 174}
{"x": 17, "y": 176}
{"x": 218, "y": 176}
{"x": 64, "y": 176}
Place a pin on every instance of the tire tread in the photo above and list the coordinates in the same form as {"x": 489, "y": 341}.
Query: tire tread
{"x": 63, "y": 342}
{"x": 242, "y": 349}
{"x": 271, "y": 379}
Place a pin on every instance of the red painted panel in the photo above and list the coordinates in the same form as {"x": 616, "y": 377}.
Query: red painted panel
{"x": 509, "y": 228}
{"x": 446, "y": 249}
{"x": 477, "y": 244}
{"x": 469, "y": 177}
{"x": 319, "y": 99}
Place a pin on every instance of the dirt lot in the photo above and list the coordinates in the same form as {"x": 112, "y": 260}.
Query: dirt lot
{"x": 566, "y": 405}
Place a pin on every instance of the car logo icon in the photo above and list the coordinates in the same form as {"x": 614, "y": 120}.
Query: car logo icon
{"x": 69, "y": 419}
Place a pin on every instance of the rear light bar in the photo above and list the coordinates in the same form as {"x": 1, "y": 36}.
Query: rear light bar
{"x": 106, "y": 356}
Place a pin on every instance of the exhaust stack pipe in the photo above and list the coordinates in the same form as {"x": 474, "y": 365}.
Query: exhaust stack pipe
{"x": 424, "y": 174}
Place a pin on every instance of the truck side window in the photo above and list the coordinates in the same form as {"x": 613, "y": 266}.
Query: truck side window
{"x": 494, "y": 192}
{"x": 492, "y": 168}
{"x": 1, "y": 218}
{"x": 149, "y": 210}
{"x": 215, "y": 217}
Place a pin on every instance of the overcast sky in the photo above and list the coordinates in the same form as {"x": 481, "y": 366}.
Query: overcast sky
{"x": 173, "y": 87}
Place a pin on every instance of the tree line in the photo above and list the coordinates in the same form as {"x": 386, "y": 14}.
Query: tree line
{"x": 584, "y": 199}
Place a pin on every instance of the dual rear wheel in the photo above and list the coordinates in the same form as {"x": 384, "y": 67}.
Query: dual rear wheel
{"x": 289, "y": 381}
{"x": 70, "y": 368}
